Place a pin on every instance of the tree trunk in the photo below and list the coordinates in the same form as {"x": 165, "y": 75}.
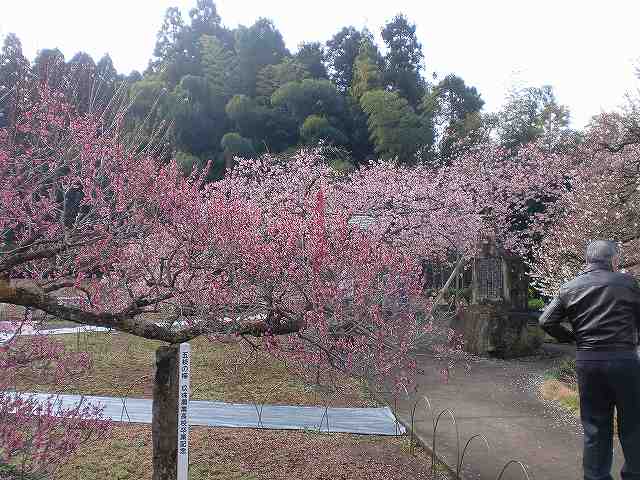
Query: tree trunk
{"x": 165, "y": 413}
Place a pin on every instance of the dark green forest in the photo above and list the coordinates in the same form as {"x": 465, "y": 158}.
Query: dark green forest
{"x": 242, "y": 92}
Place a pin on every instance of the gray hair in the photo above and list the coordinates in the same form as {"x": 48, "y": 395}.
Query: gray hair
{"x": 601, "y": 251}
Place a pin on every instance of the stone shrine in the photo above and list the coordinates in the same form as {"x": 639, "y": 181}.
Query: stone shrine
{"x": 497, "y": 321}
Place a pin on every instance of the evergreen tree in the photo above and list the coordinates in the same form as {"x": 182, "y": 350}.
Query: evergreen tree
{"x": 403, "y": 60}
{"x": 219, "y": 67}
{"x": 272, "y": 77}
{"x": 170, "y": 37}
{"x": 150, "y": 103}
{"x": 271, "y": 129}
{"x": 198, "y": 115}
{"x": 49, "y": 66}
{"x": 134, "y": 76}
{"x": 316, "y": 128}
{"x": 105, "y": 69}
{"x": 530, "y": 114}
{"x": 342, "y": 51}
{"x": 360, "y": 144}
{"x": 235, "y": 145}
{"x": 312, "y": 56}
{"x": 206, "y": 21}
{"x": 174, "y": 53}
{"x": 241, "y": 110}
{"x": 107, "y": 80}
{"x": 366, "y": 75}
{"x": 308, "y": 97}
{"x": 257, "y": 46}
{"x": 396, "y": 130}
{"x": 82, "y": 80}
{"x": 455, "y": 109}
{"x": 13, "y": 70}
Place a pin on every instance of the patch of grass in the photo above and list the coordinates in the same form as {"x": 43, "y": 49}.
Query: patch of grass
{"x": 407, "y": 445}
{"x": 565, "y": 372}
{"x": 123, "y": 366}
{"x": 560, "y": 385}
{"x": 571, "y": 402}
{"x": 440, "y": 467}
{"x": 535, "y": 304}
{"x": 553, "y": 389}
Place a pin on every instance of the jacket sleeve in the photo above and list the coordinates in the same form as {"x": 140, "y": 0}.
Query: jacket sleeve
{"x": 552, "y": 318}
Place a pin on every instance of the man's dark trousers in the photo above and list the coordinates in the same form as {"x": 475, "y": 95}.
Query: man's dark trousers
{"x": 607, "y": 380}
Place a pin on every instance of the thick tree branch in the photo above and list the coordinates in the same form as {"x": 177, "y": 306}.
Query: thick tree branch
{"x": 128, "y": 321}
{"x": 21, "y": 258}
{"x": 253, "y": 328}
{"x": 124, "y": 322}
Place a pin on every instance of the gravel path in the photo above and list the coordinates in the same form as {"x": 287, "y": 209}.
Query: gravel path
{"x": 501, "y": 400}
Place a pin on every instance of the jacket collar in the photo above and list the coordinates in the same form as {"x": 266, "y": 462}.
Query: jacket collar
{"x": 591, "y": 267}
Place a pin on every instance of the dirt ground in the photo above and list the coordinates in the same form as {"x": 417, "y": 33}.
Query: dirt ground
{"x": 246, "y": 454}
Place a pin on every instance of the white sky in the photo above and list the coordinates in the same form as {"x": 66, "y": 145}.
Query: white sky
{"x": 586, "y": 49}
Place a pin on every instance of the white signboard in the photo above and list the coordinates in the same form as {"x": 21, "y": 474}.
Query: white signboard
{"x": 184, "y": 372}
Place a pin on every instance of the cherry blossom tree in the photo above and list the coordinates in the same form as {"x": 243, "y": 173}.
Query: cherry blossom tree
{"x": 84, "y": 209}
{"x": 599, "y": 201}
{"x": 38, "y": 435}
{"x": 324, "y": 266}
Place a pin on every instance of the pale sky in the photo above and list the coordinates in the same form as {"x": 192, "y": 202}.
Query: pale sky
{"x": 587, "y": 49}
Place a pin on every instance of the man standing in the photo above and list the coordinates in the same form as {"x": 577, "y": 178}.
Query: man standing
{"x": 603, "y": 307}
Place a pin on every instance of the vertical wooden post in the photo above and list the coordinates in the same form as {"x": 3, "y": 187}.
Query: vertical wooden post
{"x": 164, "y": 418}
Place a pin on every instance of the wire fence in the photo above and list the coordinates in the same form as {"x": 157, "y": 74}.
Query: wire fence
{"x": 432, "y": 442}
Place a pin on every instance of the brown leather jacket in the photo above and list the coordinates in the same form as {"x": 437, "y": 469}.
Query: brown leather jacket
{"x": 602, "y": 306}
